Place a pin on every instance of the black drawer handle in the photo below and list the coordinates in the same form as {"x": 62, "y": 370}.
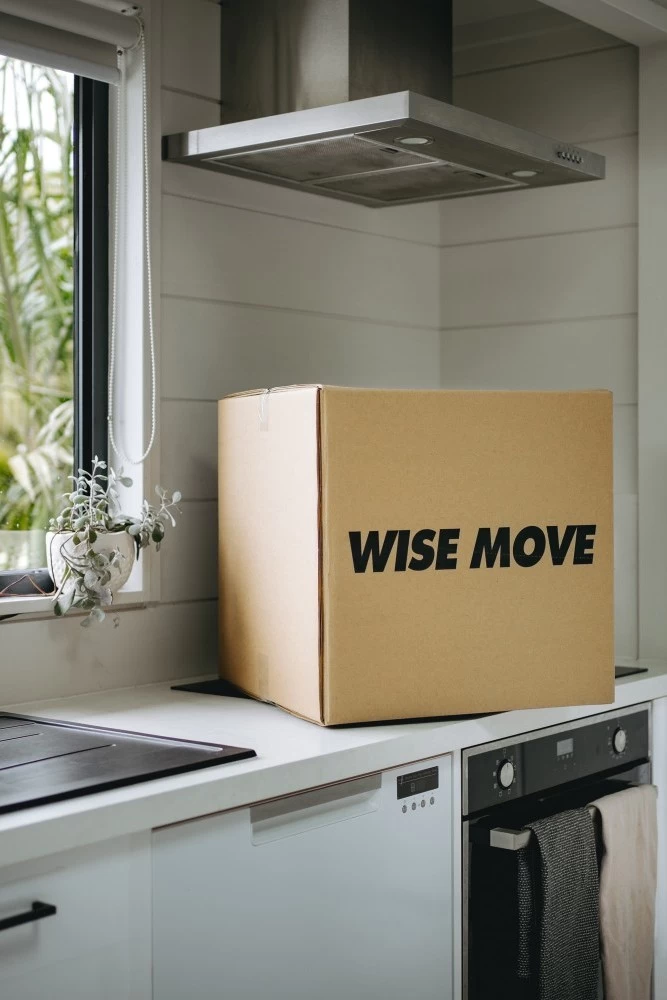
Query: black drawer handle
{"x": 36, "y": 912}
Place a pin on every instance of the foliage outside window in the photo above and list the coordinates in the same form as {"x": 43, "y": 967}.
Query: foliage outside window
{"x": 36, "y": 305}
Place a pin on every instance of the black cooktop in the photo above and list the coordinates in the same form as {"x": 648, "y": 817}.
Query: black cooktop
{"x": 44, "y": 760}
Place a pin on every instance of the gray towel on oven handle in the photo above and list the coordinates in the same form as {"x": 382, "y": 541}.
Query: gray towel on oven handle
{"x": 565, "y": 869}
{"x": 526, "y": 912}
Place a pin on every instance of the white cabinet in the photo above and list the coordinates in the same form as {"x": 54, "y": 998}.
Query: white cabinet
{"x": 343, "y": 891}
{"x": 659, "y": 762}
{"x": 96, "y": 946}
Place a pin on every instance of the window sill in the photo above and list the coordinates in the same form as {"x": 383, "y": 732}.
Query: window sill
{"x": 42, "y": 607}
{"x": 10, "y": 606}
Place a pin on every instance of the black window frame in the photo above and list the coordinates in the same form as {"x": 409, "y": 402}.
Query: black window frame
{"x": 91, "y": 299}
{"x": 91, "y": 270}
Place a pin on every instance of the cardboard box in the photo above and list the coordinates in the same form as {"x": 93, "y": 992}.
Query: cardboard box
{"x": 402, "y": 554}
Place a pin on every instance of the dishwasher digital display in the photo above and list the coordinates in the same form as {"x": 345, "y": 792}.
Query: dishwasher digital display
{"x": 417, "y": 782}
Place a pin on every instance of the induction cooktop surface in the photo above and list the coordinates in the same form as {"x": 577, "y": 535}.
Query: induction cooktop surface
{"x": 45, "y": 760}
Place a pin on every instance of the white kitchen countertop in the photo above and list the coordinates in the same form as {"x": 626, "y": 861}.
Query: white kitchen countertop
{"x": 292, "y": 755}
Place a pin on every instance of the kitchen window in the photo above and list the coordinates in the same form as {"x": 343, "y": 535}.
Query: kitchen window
{"x": 53, "y": 302}
{"x": 77, "y": 144}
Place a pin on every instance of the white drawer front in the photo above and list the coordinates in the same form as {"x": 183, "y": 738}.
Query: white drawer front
{"x": 97, "y": 944}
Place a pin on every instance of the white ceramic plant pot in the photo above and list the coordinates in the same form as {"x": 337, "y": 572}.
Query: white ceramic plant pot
{"x": 59, "y": 542}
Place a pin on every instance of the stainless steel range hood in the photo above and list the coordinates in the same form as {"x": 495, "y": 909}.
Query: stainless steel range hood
{"x": 379, "y": 150}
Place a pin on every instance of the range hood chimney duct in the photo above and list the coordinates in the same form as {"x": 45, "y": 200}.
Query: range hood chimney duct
{"x": 352, "y": 99}
{"x": 290, "y": 55}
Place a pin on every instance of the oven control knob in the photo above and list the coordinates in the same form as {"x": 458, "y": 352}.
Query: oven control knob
{"x": 505, "y": 774}
{"x": 619, "y": 740}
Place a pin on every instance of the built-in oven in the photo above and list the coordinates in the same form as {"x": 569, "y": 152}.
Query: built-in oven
{"x": 505, "y": 786}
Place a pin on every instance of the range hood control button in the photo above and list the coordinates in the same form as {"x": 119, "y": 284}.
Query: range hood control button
{"x": 619, "y": 740}
{"x": 505, "y": 775}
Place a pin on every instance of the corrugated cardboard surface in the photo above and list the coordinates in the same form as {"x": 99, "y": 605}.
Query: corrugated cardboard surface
{"x": 299, "y": 627}
{"x": 410, "y": 644}
{"x": 269, "y": 547}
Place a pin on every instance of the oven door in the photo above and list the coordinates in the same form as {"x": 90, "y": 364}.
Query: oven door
{"x": 494, "y": 939}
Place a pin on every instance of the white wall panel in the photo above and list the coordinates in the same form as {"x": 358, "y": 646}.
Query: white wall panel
{"x": 626, "y": 574}
{"x": 211, "y": 349}
{"x": 244, "y": 256}
{"x": 182, "y": 112}
{"x": 266, "y": 286}
{"x": 57, "y": 658}
{"x": 190, "y": 448}
{"x": 191, "y": 47}
{"x": 472, "y": 11}
{"x": 189, "y": 560}
{"x": 625, "y": 449}
{"x": 414, "y": 223}
{"x": 580, "y": 99}
{"x": 565, "y": 209}
{"x": 540, "y": 278}
{"x": 652, "y": 353}
{"x": 545, "y": 281}
{"x": 536, "y": 35}
{"x": 596, "y": 353}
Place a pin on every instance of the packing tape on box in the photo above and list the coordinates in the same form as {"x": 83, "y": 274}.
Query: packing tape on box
{"x": 264, "y": 410}
{"x": 263, "y": 676}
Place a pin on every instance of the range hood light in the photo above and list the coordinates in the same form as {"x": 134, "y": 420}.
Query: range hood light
{"x": 523, "y": 174}
{"x": 415, "y": 140}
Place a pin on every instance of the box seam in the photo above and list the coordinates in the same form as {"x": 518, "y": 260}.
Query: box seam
{"x": 320, "y": 548}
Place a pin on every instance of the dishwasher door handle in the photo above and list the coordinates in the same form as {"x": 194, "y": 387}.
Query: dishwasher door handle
{"x": 297, "y": 814}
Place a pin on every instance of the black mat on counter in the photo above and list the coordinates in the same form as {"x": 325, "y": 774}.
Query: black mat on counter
{"x": 628, "y": 671}
{"x": 215, "y": 686}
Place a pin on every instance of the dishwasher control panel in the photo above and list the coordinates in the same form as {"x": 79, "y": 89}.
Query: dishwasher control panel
{"x": 417, "y": 788}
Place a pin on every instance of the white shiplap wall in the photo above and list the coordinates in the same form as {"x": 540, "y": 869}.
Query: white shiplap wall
{"x": 266, "y": 286}
{"x": 539, "y": 289}
{"x": 260, "y": 286}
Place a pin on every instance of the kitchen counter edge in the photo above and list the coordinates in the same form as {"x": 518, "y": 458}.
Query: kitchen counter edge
{"x": 292, "y": 755}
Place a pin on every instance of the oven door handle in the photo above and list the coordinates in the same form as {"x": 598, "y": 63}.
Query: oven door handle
{"x": 508, "y": 840}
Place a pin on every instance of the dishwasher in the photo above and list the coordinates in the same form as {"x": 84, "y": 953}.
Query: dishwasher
{"x": 507, "y": 784}
{"x": 340, "y": 891}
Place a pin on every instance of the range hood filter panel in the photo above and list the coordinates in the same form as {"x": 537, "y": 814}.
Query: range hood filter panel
{"x": 304, "y": 162}
{"x": 418, "y": 183}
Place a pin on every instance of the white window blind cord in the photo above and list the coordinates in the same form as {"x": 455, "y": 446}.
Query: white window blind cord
{"x": 114, "y": 435}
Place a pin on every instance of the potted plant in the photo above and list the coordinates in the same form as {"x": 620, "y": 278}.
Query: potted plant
{"x": 92, "y": 545}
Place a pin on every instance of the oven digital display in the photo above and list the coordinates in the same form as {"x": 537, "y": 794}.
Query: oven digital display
{"x": 564, "y": 747}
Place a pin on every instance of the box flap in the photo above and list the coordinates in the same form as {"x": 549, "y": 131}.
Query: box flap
{"x": 269, "y": 531}
{"x": 278, "y": 388}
